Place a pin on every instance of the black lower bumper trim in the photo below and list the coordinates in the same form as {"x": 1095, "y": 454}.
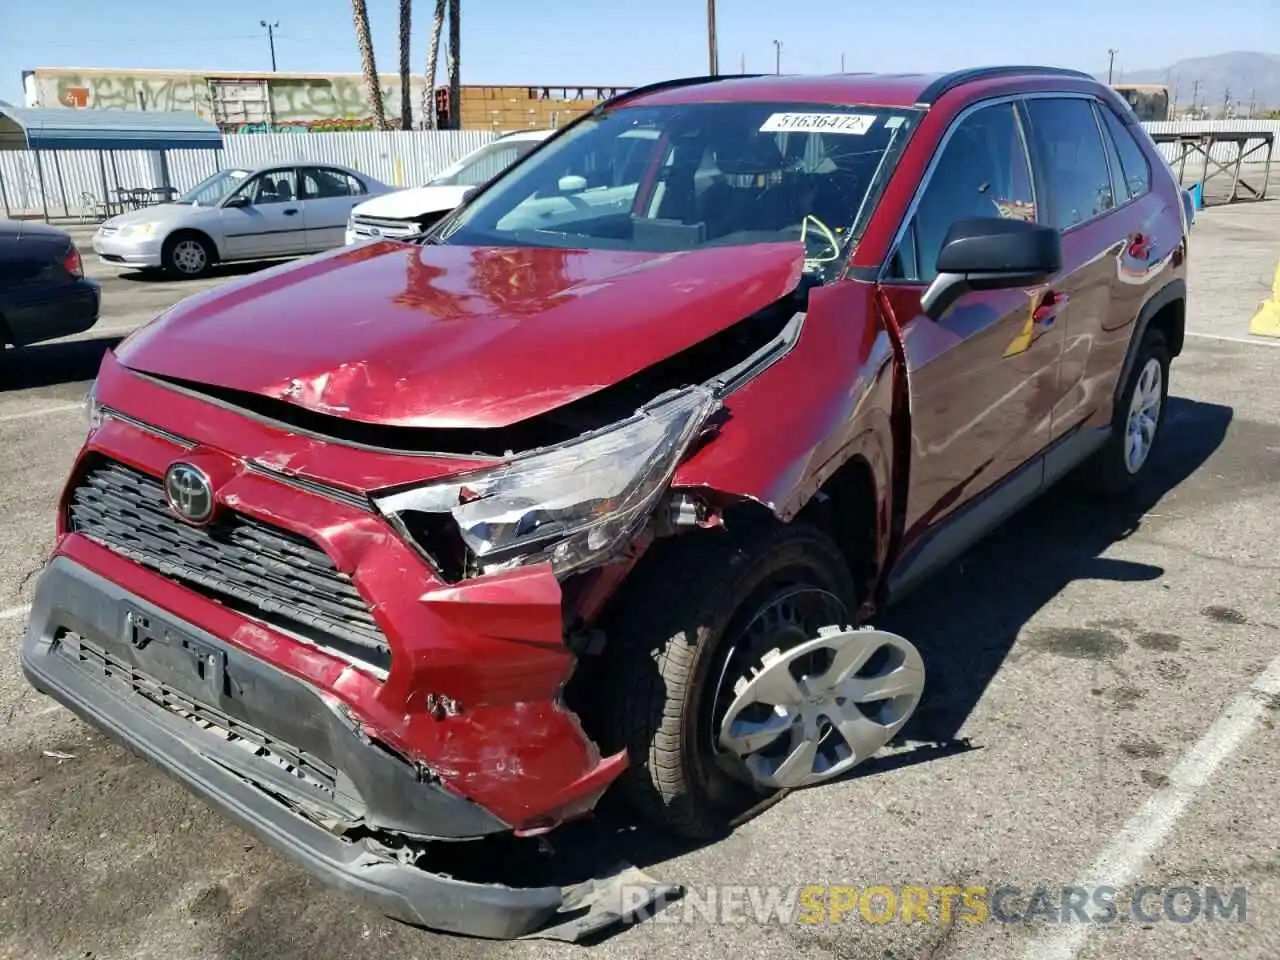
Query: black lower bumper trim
{"x": 71, "y": 598}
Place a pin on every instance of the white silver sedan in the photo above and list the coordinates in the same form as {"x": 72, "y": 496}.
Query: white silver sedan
{"x": 279, "y": 210}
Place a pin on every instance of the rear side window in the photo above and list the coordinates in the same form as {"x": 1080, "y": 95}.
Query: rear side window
{"x": 982, "y": 172}
{"x": 1068, "y": 146}
{"x": 1133, "y": 162}
{"x": 320, "y": 183}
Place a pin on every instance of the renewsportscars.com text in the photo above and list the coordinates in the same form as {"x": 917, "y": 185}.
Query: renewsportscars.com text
{"x": 883, "y": 904}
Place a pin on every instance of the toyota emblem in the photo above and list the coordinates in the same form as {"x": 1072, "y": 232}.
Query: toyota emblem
{"x": 375, "y": 232}
{"x": 189, "y": 492}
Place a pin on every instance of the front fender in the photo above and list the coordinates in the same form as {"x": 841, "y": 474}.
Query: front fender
{"x": 794, "y": 425}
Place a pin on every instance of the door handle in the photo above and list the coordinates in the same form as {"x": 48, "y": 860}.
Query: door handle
{"x": 1047, "y": 312}
{"x": 291, "y": 211}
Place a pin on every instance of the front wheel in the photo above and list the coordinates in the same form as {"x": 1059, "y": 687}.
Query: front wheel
{"x": 187, "y": 255}
{"x": 709, "y": 690}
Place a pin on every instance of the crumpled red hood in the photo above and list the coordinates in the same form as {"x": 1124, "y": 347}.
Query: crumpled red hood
{"x": 444, "y": 336}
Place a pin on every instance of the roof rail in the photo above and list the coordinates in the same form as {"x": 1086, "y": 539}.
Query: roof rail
{"x": 949, "y": 81}
{"x": 667, "y": 85}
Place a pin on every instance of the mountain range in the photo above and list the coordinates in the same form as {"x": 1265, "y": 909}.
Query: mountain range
{"x": 1243, "y": 76}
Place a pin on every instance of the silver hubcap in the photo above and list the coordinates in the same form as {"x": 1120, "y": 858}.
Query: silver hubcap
{"x": 793, "y": 728}
{"x": 189, "y": 256}
{"x": 1144, "y": 416}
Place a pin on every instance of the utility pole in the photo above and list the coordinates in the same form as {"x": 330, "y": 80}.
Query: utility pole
{"x": 271, "y": 39}
{"x": 742, "y": 66}
{"x": 712, "y": 46}
{"x": 1253, "y": 102}
{"x": 1111, "y": 64}
{"x": 842, "y": 63}
{"x": 777, "y": 56}
{"x": 1195, "y": 93}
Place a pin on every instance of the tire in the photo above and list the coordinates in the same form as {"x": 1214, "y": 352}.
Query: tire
{"x": 187, "y": 255}
{"x": 1110, "y": 472}
{"x": 668, "y": 652}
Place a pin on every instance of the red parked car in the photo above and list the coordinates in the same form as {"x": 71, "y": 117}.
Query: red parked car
{"x": 410, "y": 544}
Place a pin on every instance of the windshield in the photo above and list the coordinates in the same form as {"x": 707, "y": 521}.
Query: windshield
{"x": 483, "y": 165}
{"x": 211, "y": 191}
{"x": 670, "y": 178}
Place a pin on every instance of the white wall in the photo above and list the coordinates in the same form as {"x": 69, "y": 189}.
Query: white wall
{"x": 416, "y": 155}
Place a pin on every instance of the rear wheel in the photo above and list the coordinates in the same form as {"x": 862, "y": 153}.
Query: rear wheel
{"x": 187, "y": 255}
{"x": 690, "y": 643}
{"x": 1137, "y": 423}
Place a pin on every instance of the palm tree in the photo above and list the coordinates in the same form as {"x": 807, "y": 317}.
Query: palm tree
{"x": 406, "y": 103}
{"x": 433, "y": 58}
{"x": 360, "y": 14}
{"x": 455, "y": 83}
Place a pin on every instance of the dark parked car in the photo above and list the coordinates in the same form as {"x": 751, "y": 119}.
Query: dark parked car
{"x": 44, "y": 293}
{"x": 417, "y": 543}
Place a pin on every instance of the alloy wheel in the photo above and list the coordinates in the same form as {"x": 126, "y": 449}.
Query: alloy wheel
{"x": 1144, "y": 415}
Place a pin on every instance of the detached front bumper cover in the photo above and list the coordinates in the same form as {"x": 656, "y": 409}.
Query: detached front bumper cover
{"x": 116, "y": 689}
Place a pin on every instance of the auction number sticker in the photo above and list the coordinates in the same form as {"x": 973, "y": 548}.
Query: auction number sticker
{"x": 854, "y": 123}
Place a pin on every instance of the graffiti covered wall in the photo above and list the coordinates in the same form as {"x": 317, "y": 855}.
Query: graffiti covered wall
{"x": 238, "y": 103}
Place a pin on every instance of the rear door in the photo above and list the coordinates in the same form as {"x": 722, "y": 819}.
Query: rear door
{"x": 983, "y": 379}
{"x": 272, "y": 224}
{"x": 1070, "y": 155}
{"x": 329, "y": 194}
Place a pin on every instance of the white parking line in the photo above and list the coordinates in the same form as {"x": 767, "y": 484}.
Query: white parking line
{"x": 42, "y": 411}
{"x": 1123, "y": 860}
{"x": 14, "y": 612}
{"x": 1218, "y": 336}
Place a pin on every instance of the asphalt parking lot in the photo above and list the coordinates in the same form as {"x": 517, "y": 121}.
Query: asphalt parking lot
{"x": 1102, "y": 709}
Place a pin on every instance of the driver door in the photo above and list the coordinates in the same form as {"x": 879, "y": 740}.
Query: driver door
{"x": 270, "y": 223}
{"x": 983, "y": 379}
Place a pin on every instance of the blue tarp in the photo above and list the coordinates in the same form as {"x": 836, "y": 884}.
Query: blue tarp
{"x": 79, "y": 129}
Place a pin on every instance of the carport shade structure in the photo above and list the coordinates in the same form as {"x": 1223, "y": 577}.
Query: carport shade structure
{"x": 103, "y": 131}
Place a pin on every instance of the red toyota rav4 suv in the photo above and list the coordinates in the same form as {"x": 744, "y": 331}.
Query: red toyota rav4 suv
{"x": 667, "y": 410}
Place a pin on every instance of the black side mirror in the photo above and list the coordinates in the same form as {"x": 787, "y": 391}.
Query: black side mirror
{"x": 239, "y": 200}
{"x": 469, "y": 193}
{"x": 991, "y": 253}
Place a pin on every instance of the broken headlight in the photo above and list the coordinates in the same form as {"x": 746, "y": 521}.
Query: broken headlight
{"x": 573, "y": 504}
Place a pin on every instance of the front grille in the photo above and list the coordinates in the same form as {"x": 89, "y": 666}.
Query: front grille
{"x": 366, "y": 227}
{"x": 297, "y": 763}
{"x": 251, "y": 566}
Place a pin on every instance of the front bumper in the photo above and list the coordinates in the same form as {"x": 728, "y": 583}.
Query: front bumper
{"x": 128, "y": 251}
{"x": 278, "y": 758}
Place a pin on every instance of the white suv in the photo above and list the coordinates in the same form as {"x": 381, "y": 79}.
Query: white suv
{"x": 404, "y": 213}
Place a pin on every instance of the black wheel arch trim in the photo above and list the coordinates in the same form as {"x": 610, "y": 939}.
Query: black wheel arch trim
{"x": 1171, "y": 292}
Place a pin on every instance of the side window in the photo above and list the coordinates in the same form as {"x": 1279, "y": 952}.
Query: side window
{"x": 1074, "y": 165}
{"x": 1118, "y": 187}
{"x": 274, "y": 186}
{"x": 982, "y": 172}
{"x": 489, "y": 165}
{"x": 1137, "y": 171}
{"x": 321, "y": 183}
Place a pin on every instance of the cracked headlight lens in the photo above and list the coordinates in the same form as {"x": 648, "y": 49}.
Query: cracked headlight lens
{"x": 574, "y": 504}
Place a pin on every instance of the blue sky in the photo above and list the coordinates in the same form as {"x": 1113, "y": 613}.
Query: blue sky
{"x": 601, "y": 42}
